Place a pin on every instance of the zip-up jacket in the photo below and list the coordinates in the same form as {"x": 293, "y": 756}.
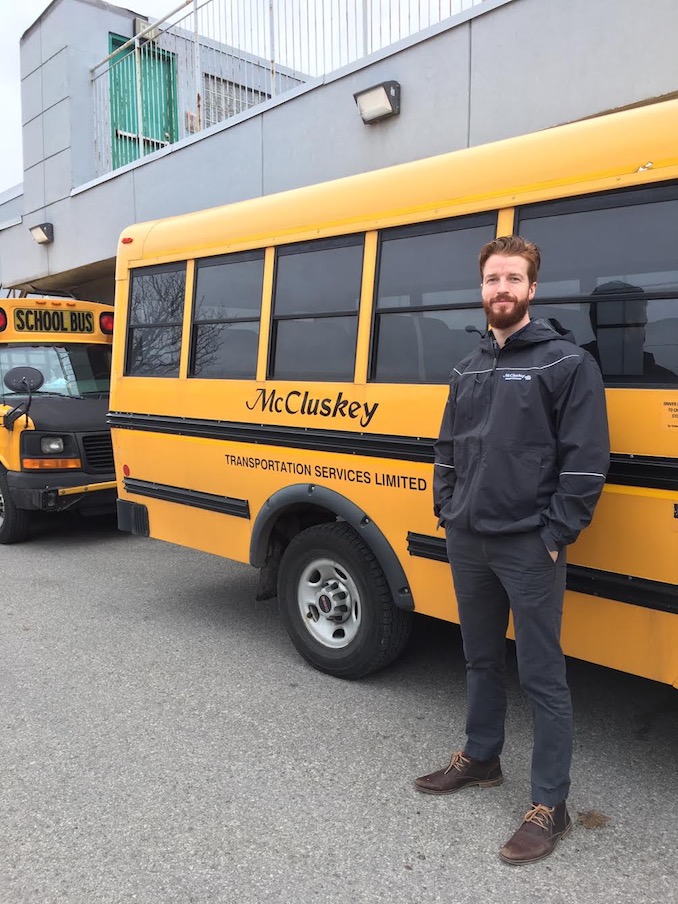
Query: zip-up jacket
{"x": 524, "y": 442}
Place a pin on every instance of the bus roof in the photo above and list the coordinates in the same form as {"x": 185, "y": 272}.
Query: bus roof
{"x": 611, "y": 151}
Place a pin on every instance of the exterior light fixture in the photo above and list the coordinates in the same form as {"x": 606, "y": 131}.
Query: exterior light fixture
{"x": 379, "y": 102}
{"x": 43, "y": 234}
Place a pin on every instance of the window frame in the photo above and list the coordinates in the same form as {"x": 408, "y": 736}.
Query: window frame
{"x": 254, "y": 254}
{"x": 413, "y": 230}
{"x": 618, "y": 198}
{"x": 354, "y": 239}
{"x": 173, "y": 266}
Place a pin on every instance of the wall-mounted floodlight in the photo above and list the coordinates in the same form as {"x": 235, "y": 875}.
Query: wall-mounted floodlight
{"x": 43, "y": 234}
{"x": 379, "y": 102}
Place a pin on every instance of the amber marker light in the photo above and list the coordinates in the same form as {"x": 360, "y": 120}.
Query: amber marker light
{"x": 50, "y": 464}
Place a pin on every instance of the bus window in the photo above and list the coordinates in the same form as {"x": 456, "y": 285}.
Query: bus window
{"x": 315, "y": 309}
{"x": 226, "y": 316}
{"x": 610, "y": 274}
{"x": 427, "y": 294}
{"x": 155, "y": 317}
{"x": 69, "y": 370}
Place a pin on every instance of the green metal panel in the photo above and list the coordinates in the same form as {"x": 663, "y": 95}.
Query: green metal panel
{"x": 158, "y": 101}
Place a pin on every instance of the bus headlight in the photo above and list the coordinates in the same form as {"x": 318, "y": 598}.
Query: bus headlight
{"x": 51, "y": 445}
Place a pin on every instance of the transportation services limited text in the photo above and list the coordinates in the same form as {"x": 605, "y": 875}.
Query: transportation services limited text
{"x": 330, "y": 472}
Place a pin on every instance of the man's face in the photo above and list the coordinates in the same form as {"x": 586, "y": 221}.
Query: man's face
{"x": 506, "y": 290}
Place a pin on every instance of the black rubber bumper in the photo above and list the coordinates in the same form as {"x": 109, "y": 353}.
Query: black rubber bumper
{"x": 35, "y": 492}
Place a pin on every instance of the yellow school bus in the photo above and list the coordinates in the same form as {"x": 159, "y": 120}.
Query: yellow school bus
{"x": 55, "y": 444}
{"x": 280, "y": 370}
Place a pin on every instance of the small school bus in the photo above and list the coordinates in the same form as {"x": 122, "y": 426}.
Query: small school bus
{"x": 280, "y": 369}
{"x": 55, "y": 444}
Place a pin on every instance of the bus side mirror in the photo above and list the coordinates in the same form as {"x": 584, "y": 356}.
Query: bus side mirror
{"x": 21, "y": 379}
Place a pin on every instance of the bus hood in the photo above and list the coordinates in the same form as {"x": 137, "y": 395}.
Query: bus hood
{"x": 61, "y": 414}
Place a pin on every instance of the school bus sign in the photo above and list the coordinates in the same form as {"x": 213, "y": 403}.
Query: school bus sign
{"x": 45, "y": 320}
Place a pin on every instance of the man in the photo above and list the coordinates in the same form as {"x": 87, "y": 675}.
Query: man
{"x": 520, "y": 463}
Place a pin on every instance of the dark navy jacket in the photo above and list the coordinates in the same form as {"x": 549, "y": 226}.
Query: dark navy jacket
{"x": 524, "y": 442}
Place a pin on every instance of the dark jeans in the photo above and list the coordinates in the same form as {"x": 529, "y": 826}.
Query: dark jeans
{"x": 493, "y": 574}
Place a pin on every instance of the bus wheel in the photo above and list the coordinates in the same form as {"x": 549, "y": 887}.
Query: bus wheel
{"x": 14, "y": 522}
{"x": 336, "y": 604}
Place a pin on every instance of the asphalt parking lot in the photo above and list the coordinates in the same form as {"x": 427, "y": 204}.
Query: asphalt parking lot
{"x": 163, "y": 742}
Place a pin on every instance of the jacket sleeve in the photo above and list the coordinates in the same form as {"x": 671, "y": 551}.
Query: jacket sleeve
{"x": 444, "y": 475}
{"x": 583, "y": 445}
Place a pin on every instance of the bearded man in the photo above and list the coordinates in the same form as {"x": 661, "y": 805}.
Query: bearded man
{"x": 520, "y": 463}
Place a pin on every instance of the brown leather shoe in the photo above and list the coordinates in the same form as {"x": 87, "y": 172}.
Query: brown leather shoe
{"x": 541, "y": 830}
{"x": 463, "y": 772}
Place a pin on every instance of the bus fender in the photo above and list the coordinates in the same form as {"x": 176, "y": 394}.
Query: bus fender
{"x": 323, "y": 497}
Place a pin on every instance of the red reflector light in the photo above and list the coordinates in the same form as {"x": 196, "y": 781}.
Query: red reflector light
{"x": 127, "y": 240}
{"x": 3, "y": 320}
{"x": 106, "y": 323}
{"x": 125, "y": 470}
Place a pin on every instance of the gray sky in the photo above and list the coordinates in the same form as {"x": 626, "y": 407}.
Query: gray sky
{"x": 15, "y": 17}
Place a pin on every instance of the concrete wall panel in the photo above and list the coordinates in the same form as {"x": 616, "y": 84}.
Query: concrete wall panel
{"x": 58, "y": 178}
{"x": 55, "y": 85}
{"x": 26, "y": 256}
{"x": 56, "y": 128}
{"x": 535, "y": 64}
{"x": 92, "y": 222}
{"x": 31, "y": 51}
{"x": 85, "y": 25}
{"x": 31, "y": 97}
{"x": 325, "y": 122}
{"x": 224, "y": 169}
{"x": 32, "y": 137}
{"x": 33, "y": 199}
{"x": 58, "y": 28}
{"x": 11, "y": 204}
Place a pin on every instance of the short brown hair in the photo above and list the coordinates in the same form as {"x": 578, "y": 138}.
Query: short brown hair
{"x": 510, "y": 245}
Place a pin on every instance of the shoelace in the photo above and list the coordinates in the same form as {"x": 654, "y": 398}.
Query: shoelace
{"x": 541, "y": 815}
{"x": 458, "y": 762}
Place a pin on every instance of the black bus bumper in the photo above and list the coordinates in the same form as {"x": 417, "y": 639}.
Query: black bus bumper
{"x": 89, "y": 494}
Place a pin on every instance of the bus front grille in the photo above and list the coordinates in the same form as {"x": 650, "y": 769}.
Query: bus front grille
{"x": 98, "y": 452}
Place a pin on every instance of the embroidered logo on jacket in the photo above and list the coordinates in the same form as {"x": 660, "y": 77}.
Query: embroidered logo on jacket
{"x": 517, "y": 376}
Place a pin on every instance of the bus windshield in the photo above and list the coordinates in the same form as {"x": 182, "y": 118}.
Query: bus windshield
{"x": 74, "y": 370}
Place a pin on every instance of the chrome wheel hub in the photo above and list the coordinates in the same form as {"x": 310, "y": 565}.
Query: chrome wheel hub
{"x": 329, "y": 603}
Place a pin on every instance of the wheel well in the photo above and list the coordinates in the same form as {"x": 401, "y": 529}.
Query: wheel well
{"x": 282, "y": 529}
{"x": 295, "y": 508}
{"x": 292, "y": 520}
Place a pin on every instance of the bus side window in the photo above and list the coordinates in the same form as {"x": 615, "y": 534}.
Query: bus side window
{"x": 225, "y": 332}
{"x": 427, "y": 294}
{"x": 154, "y": 321}
{"x": 610, "y": 273}
{"x": 315, "y": 309}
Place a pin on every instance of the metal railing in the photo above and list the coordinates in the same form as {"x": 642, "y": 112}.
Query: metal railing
{"x": 209, "y": 60}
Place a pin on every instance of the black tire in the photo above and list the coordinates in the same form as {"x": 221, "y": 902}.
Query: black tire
{"x": 332, "y": 561}
{"x": 14, "y": 522}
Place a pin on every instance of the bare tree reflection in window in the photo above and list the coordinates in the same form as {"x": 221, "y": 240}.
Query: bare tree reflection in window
{"x": 156, "y": 313}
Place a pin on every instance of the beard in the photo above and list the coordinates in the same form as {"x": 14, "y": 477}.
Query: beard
{"x": 508, "y": 316}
